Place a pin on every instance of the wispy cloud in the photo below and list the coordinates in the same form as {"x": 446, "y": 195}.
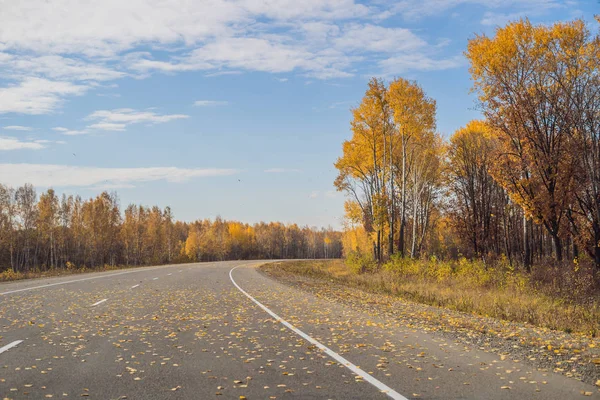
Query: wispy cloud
{"x": 108, "y": 126}
{"x": 11, "y": 143}
{"x": 34, "y": 95}
{"x": 119, "y": 119}
{"x": 206, "y": 103}
{"x": 324, "y": 39}
{"x": 414, "y": 9}
{"x": 70, "y": 132}
{"x": 45, "y": 175}
{"x": 60, "y": 68}
{"x": 314, "y": 194}
{"x": 410, "y": 62}
{"x": 17, "y": 128}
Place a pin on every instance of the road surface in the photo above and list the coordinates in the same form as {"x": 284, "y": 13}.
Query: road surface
{"x": 209, "y": 331}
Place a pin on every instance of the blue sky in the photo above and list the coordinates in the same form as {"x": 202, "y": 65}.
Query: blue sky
{"x": 232, "y": 108}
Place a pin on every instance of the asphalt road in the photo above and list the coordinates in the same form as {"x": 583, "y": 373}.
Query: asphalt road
{"x": 188, "y": 332}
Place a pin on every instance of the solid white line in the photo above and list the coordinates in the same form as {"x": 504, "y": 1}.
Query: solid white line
{"x": 99, "y": 302}
{"x": 9, "y": 346}
{"x": 134, "y": 286}
{"x": 75, "y": 280}
{"x": 365, "y": 376}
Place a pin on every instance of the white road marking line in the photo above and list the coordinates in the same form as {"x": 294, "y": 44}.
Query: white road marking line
{"x": 75, "y": 280}
{"x": 134, "y": 286}
{"x": 99, "y": 302}
{"x": 154, "y": 279}
{"x": 169, "y": 274}
{"x": 10, "y": 346}
{"x": 365, "y": 376}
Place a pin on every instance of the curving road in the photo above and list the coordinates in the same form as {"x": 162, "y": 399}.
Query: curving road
{"x": 209, "y": 331}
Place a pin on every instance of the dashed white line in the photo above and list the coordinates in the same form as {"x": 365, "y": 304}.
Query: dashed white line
{"x": 77, "y": 280}
{"x": 169, "y": 274}
{"x": 10, "y": 346}
{"x": 365, "y": 376}
{"x": 154, "y": 279}
{"x": 99, "y": 302}
{"x": 134, "y": 286}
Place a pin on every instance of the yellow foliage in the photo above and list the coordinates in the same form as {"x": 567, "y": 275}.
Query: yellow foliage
{"x": 356, "y": 240}
{"x": 192, "y": 245}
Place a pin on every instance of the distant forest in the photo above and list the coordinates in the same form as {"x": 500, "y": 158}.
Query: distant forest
{"x": 38, "y": 234}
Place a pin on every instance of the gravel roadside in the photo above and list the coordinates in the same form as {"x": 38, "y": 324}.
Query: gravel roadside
{"x": 573, "y": 355}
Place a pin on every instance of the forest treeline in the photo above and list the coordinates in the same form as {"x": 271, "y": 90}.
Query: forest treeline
{"x": 522, "y": 184}
{"x": 50, "y": 232}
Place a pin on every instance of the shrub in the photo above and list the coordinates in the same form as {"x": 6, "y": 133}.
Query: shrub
{"x": 10, "y": 275}
{"x": 359, "y": 263}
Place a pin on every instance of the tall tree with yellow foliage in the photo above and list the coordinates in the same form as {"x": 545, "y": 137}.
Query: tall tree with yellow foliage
{"x": 517, "y": 78}
{"x": 414, "y": 118}
{"x": 363, "y": 167}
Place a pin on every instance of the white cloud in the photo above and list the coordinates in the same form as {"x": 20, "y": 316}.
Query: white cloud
{"x": 36, "y": 95}
{"x": 107, "y": 126}
{"x": 412, "y": 9}
{"x": 317, "y": 38}
{"x": 281, "y": 170}
{"x": 60, "y": 68}
{"x": 17, "y": 128}
{"x": 46, "y": 175}
{"x": 221, "y": 73}
{"x": 265, "y": 54}
{"x": 70, "y": 132}
{"x": 314, "y": 194}
{"x": 119, "y": 119}
{"x": 205, "y": 103}
{"x": 11, "y": 143}
{"x": 293, "y": 9}
{"x": 409, "y": 62}
{"x": 118, "y": 25}
{"x": 378, "y": 39}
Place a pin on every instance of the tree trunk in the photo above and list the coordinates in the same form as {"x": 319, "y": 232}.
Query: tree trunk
{"x": 403, "y": 194}
{"x": 526, "y": 246}
{"x": 597, "y": 246}
{"x": 558, "y": 250}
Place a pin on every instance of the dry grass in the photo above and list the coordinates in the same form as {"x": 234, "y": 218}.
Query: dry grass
{"x": 568, "y": 304}
{"x": 9, "y": 275}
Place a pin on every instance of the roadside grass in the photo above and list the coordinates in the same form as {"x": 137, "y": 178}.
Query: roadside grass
{"x": 9, "y": 275}
{"x": 549, "y": 297}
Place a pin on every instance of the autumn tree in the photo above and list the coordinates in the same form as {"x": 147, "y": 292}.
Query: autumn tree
{"x": 514, "y": 73}
{"x": 425, "y": 183}
{"x": 363, "y": 167}
{"x": 69, "y": 232}
{"x": 47, "y": 224}
{"x": 471, "y": 154}
{"x": 576, "y": 70}
{"x": 414, "y": 118}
